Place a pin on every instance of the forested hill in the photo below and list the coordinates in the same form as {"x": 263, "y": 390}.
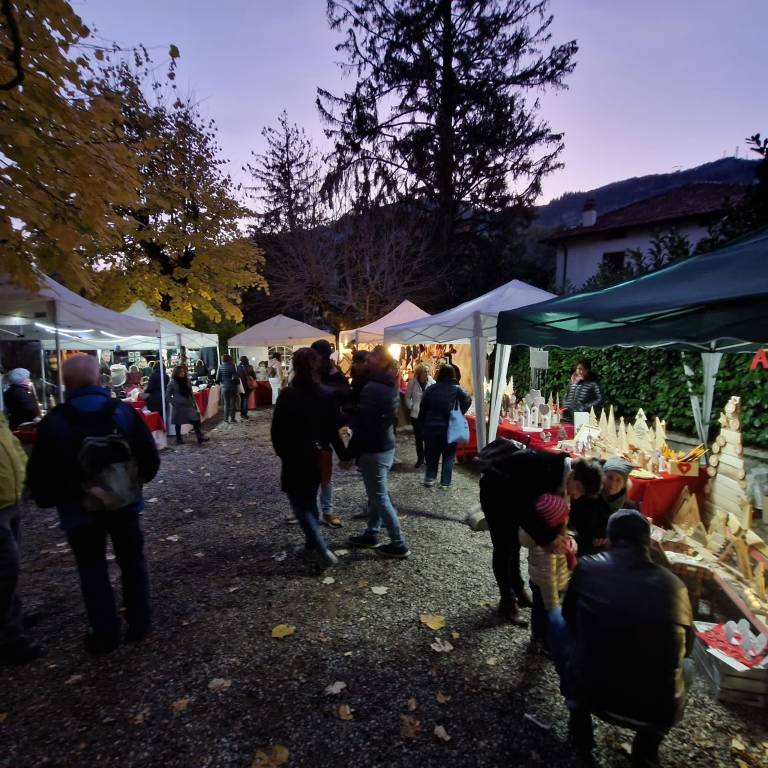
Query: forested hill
{"x": 566, "y": 211}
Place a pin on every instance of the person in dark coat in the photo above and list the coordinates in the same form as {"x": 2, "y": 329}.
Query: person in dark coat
{"x": 184, "y": 408}
{"x": 511, "y": 481}
{"x": 227, "y": 377}
{"x": 246, "y": 375}
{"x": 589, "y": 512}
{"x": 631, "y": 626}
{"x": 19, "y": 399}
{"x": 583, "y": 393}
{"x": 436, "y": 406}
{"x": 306, "y": 418}
{"x": 54, "y": 476}
{"x": 152, "y": 395}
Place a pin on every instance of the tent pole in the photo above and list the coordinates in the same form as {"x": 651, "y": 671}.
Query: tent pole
{"x": 695, "y": 402}
{"x": 162, "y": 382}
{"x": 42, "y": 378}
{"x": 711, "y": 365}
{"x": 497, "y": 391}
{"x": 478, "y": 347}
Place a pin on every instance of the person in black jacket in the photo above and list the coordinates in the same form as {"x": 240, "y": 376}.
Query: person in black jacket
{"x": 436, "y": 406}
{"x": 589, "y": 512}
{"x": 630, "y": 621}
{"x": 304, "y": 420}
{"x": 583, "y": 393}
{"x": 246, "y": 374}
{"x": 511, "y": 481}
{"x": 54, "y": 475}
{"x": 227, "y": 377}
{"x": 373, "y": 445}
{"x": 20, "y": 401}
{"x": 152, "y": 394}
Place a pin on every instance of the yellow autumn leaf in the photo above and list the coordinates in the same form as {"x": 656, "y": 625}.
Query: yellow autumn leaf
{"x": 181, "y": 705}
{"x": 442, "y": 698}
{"x": 283, "y": 630}
{"x": 410, "y": 727}
{"x": 173, "y": 52}
{"x": 433, "y": 620}
{"x": 344, "y": 712}
{"x": 271, "y": 758}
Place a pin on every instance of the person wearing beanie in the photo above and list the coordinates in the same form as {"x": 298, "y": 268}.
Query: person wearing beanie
{"x": 616, "y": 484}
{"x": 549, "y": 573}
{"x": 19, "y": 398}
{"x": 630, "y": 623}
{"x": 589, "y": 512}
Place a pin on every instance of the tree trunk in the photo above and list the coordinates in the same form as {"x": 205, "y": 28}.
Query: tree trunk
{"x": 445, "y": 132}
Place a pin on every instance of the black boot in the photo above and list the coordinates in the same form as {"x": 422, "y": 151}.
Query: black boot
{"x": 199, "y": 432}
{"x": 524, "y": 598}
{"x": 19, "y": 652}
{"x": 509, "y": 612}
{"x": 179, "y": 438}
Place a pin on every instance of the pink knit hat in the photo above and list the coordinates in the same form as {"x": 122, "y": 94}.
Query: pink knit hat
{"x": 552, "y": 509}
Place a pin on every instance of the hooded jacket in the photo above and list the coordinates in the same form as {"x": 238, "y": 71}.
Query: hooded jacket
{"x": 13, "y": 463}
{"x": 20, "y": 404}
{"x": 438, "y": 402}
{"x": 373, "y": 420}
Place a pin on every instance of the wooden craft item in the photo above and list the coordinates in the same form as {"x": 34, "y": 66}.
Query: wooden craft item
{"x": 602, "y": 422}
{"x": 742, "y": 555}
{"x": 760, "y": 581}
{"x": 593, "y": 423}
{"x": 611, "y": 435}
{"x": 623, "y": 438}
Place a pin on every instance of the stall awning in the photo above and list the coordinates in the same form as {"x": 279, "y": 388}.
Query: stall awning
{"x": 279, "y": 331}
{"x": 173, "y": 333}
{"x": 373, "y": 333}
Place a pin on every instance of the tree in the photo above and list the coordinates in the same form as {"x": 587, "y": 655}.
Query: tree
{"x": 181, "y": 246}
{"x": 64, "y": 162}
{"x": 441, "y": 111}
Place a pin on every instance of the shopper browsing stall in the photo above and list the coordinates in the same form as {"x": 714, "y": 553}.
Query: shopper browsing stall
{"x": 583, "y": 393}
{"x": 413, "y": 397}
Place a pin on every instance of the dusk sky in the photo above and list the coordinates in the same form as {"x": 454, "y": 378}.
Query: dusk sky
{"x": 659, "y": 85}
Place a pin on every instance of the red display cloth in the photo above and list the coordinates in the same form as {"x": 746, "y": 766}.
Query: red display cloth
{"x": 715, "y": 638}
{"x": 658, "y": 495}
{"x": 263, "y": 393}
{"x": 513, "y": 432}
{"x": 153, "y": 421}
{"x": 201, "y": 398}
{"x": 137, "y": 404}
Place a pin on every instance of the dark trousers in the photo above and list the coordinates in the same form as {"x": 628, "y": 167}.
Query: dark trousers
{"x": 539, "y": 624}
{"x": 230, "y": 401}
{"x": 418, "y": 436}
{"x": 436, "y": 447}
{"x": 89, "y": 545}
{"x": 307, "y": 513}
{"x": 10, "y": 604}
{"x": 244, "y": 405}
{"x": 505, "y": 531}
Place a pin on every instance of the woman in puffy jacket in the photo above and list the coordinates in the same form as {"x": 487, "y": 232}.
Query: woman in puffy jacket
{"x": 584, "y": 391}
{"x": 414, "y": 394}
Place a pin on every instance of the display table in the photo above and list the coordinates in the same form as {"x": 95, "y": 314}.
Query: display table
{"x": 201, "y": 400}
{"x": 262, "y": 395}
{"x": 507, "y": 429}
{"x": 658, "y": 495}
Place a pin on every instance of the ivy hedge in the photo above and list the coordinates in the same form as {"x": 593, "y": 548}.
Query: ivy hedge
{"x": 654, "y": 380}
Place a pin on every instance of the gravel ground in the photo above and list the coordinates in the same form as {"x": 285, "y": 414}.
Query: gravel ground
{"x": 226, "y": 570}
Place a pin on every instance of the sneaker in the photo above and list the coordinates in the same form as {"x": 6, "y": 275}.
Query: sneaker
{"x": 201, "y": 440}
{"x": 19, "y": 652}
{"x": 332, "y": 521}
{"x": 363, "y": 515}
{"x": 364, "y": 541}
{"x": 327, "y": 559}
{"x": 445, "y": 487}
{"x": 395, "y": 551}
{"x": 429, "y": 483}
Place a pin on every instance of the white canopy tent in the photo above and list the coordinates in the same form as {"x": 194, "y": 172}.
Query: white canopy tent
{"x": 174, "y": 335}
{"x": 373, "y": 333}
{"x": 279, "y": 331}
{"x": 472, "y": 322}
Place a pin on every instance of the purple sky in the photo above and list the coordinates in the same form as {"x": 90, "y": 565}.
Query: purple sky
{"x": 658, "y": 86}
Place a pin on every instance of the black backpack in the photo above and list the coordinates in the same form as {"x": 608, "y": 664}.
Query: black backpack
{"x": 108, "y": 474}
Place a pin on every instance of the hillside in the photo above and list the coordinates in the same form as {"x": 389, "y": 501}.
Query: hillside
{"x": 566, "y": 211}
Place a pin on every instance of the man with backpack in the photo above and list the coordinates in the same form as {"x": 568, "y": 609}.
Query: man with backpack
{"x": 90, "y": 460}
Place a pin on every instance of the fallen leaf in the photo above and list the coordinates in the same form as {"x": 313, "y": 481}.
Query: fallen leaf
{"x": 348, "y": 653}
{"x": 362, "y": 584}
{"x": 3, "y": 717}
{"x": 740, "y": 763}
{"x": 379, "y": 590}
{"x": 272, "y": 758}
{"x": 334, "y": 689}
{"x": 455, "y": 635}
{"x": 173, "y": 538}
{"x": 341, "y": 552}
{"x": 153, "y": 500}
{"x": 283, "y": 630}
{"x": 410, "y": 727}
{"x": 188, "y": 510}
{"x": 433, "y": 620}
{"x": 280, "y": 556}
{"x": 441, "y": 646}
{"x": 328, "y": 580}
{"x": 491, "y": 661}
{"x": 233, "y": 589}
{"x": 441, "y": 734}
{"x": 442, "y": 698}
{"x": 73, "y": 680}
{"x": 345, "y": 713}
{"x": 199, "y": 554}
{"x": 181, "y": 705}
{"x": 219, "y": 684}
{"x": 412, "y": 704}
{"x": 737, "y": 745}
{"x": 141, "y": 717}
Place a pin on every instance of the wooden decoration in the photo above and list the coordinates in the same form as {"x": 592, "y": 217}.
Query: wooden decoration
{"x": 623, "y": 439}
{"x": 593, "y": 423}
{"x": 742, "y": 556}
{"x": 612, "y": 437}
{"x": 760, "y": 581}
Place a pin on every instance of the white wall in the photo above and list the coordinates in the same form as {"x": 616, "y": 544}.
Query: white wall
{"x": 585, "y": 254}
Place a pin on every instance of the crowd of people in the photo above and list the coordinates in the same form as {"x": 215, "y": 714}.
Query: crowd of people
{"x": 616, "y": 624}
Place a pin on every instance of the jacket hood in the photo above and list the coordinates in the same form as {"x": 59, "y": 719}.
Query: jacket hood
{"x": 88, "y": 399}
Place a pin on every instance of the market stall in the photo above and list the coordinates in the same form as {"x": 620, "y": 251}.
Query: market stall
{"x": 373, "y": 333}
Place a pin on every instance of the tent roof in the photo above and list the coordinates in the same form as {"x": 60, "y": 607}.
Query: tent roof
{"x": 715, "y": 301}
{"x": 171, "y": 331}
{"x": 279, "y": 331}
{"x": 34, "y": 315}
{"x": 472, "y": 318}
{"x": 373, "y": 333}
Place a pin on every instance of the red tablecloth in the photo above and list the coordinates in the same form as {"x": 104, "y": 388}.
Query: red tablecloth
{"x": 513, "y": 432}
{"x": 658, "y": 495}
{"x": 262, "y": 394}
{"x": 153, "y": 421}
{"x": 201, "y": 398}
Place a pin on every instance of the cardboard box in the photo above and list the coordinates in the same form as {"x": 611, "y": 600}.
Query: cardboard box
{"x": 684, "y": 468}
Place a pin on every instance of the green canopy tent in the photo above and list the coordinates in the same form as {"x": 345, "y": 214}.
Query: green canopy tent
{"x": 710, "y": 303}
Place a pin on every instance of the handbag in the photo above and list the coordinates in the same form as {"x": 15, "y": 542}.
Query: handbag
{"x": 240, "y": 387}
{"x": 458, "y": 426}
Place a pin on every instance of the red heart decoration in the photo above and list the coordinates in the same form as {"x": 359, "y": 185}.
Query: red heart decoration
{"x": 683, "y": 467}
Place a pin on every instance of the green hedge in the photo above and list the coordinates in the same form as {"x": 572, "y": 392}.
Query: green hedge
{"x": 654, "y": 380}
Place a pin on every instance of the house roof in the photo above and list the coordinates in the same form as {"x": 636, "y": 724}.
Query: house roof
{"x": 684, "y": 202}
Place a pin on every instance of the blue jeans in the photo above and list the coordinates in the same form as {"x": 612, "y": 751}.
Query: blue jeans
{"x": 326, "y": 499}
{"x": 309, "y": 519}
{"x": 436, "y": 447}
{"x": 374, "y": 468}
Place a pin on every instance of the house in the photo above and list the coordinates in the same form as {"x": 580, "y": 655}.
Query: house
{"x": 605, "y": 239}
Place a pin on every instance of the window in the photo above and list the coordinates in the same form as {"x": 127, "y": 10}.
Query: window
{"x": 613, "y": 260}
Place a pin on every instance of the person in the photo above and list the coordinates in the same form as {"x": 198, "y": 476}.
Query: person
{"x": 512, "y": 479}
{"x": 337, "y": 388}
{"x": 373, "y": 445}
{"x": 179, "y": 397}
{"x": 262, "y": 371}
{"x": 227, "y": 377}
{"x": 436, "y": 406}
{"x": 152, "y": 395}
{"x": 70, "y": 468}
{"x": 19, "y": 398}
{"x": 133, "y": 379}
{"x": 201, "y": 372}
{"x": 359, "y": 371}
{"x": 630, "y": 621}
{"x": 583, "y": 393}
{"x": 548, "y": 572}
{"x": 15, "y": 647}
{"x": 276, "y": 374}
{"x": 247, "y": 378}
{"x": 616, "y": 484}
{"x": 589, "y": 513}
{"x": 413, "y": 397}
{"x": 305, "y": 418}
